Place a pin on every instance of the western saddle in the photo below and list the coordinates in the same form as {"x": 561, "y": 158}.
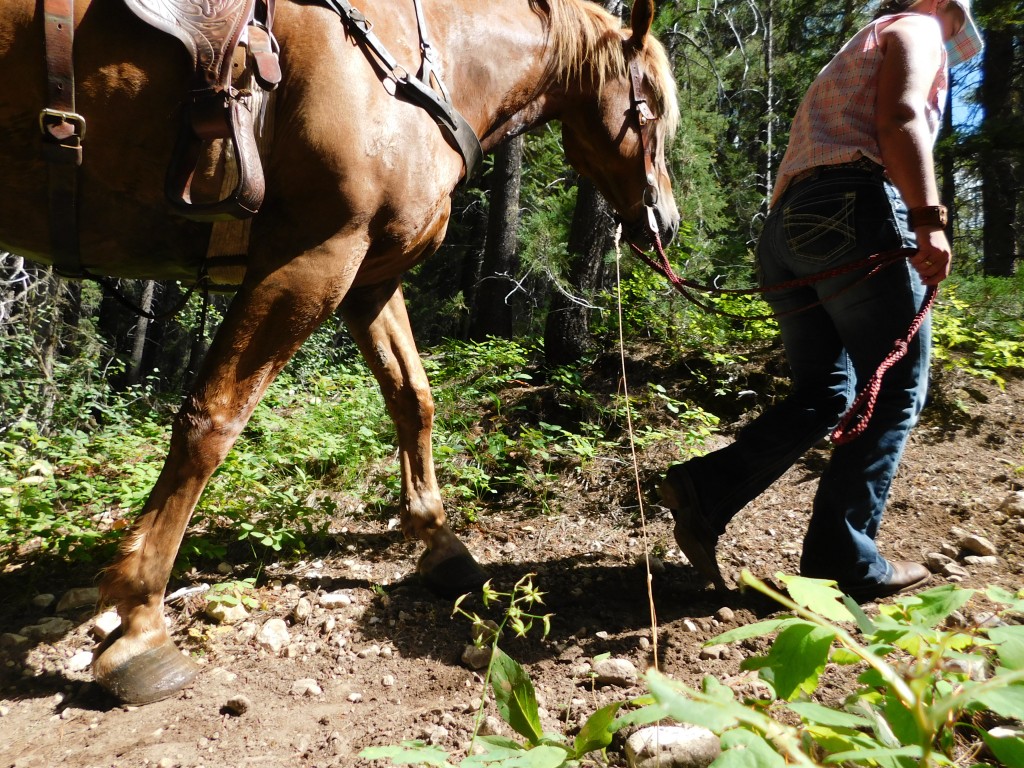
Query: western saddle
{"x": 231, "y": 43}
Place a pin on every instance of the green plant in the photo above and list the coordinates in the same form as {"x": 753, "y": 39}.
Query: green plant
{"x": 232, "y": 593}
{"x": 928, "y": 682}
{"x": 515, "y": 700}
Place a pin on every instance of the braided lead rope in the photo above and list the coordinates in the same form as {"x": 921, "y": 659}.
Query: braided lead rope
{"x": 859, "y": 414}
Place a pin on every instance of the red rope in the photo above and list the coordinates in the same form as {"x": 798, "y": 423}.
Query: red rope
{"x": 863, "y": 407}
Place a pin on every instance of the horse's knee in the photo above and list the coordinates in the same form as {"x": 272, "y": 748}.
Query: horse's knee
{"x": 204, "y": 435}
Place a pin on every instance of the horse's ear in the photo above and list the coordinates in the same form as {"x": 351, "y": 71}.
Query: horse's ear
{"x": 643, "y": 15}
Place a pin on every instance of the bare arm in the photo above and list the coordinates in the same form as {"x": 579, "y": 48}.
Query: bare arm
{"x": 911, "y": 57}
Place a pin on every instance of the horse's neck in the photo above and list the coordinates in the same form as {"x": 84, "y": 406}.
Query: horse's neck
{"x": 500, "y": 86}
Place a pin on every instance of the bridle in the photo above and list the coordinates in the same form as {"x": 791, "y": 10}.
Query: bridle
{"x": 644, "y": 118}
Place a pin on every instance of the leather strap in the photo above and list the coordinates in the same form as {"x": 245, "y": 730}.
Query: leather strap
{"x": 396, "y": 78}
{"x": 644, "y": 117}
{"x": 430, "y": 69}
{"x": 62, "y": 132}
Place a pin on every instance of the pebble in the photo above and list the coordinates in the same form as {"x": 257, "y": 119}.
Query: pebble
{"x": 616, "y": 672}
{"x": 949, "y": 550}
{"x": 13, "y": 641}
{"x": 676, "y": 746}
{"x": 306, "y": 686}
{"x": 954, "y": 571}
{"x": 690, "y": 625}
{"x": 936, "y": 561}
{"x": 43, "y": 601}
{"x": 334, "y": 599}
{"x": 370, "y": 652}
{"x": 491, "y": 726}
{"x": 81, "y": 660}
{"x": 725, "y": 614}
{"x": 712, "y": 651}
{"x": 982, "y": 560}
{"x": 977, "y": 545}
{"x": 302, "y": 611}
{"x": 1013, "y": 505}
{"x": 247, "y": 630}
{"x": 48, "y": 629}
{"x": 355, "y": 697}
{"x": 223, "y": 613}
{"x": 238, "y": 705}
{"x": 387, "y": 681}
{"x": 104, "y": 624}
{"x": 4, "y": 710}
{"x": 273, "y": 636}
{"x": 78, "y": 598}
{"x": 476, "y": 658}
{"x": 224, "y": 569}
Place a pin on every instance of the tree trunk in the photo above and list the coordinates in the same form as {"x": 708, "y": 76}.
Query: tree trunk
{"x": 567, "y": 330}
{"x": 139, "y": 340}
{"x": 493, "y": 314}
{"x": 999, "y": 204}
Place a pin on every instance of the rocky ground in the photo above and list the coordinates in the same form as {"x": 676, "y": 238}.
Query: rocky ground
{"x": 346, "y": 651}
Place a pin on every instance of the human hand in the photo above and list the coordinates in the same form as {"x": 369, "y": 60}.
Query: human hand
{"x": 934, "y": 258}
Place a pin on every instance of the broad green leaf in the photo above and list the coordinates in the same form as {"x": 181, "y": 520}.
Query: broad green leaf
{"x": 884, "y": 755}
{"x": 543, "y": 756}
{"x": 1007, "y": 701}
{"x": 818, "y": 714}
{"x": 597, "y": 731}
{"x": 818, "y": 595}
{"x": 1014, "y": 601}
{"x": 845, "y": 657}
{"x": 864, "y": 624}
{"x": 758, "y": 629}
{"x": 1009, "y": 642}
{"x": 514, "y": 696}
{"x": 746, "y": 749}
{"x": 408, "y": 753}
{"x": 643, "y": 716}
{"x": 839, "y": 740}
{"x": 901, "y": 721}
{"x": 931, "y": 607}
{"x": 798, "y": 657}
{"x": 676, "y": 701}
{"x": 1008, "y": 750}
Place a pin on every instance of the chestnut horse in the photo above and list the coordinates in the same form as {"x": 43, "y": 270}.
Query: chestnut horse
{"x": 359, "y": 188}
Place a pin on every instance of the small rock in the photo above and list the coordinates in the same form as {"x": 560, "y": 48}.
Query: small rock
{"x": 954, "y": 571}
{"x": 1013, "y": 505}
{"x": 437, "y": 735}
{"x": 223, "y": 613}
{"x": 977, "y": 545}
{"x": 12, "y": 641}
{"x": 48, "y": 630}
{"x": 4, "y": 710}
{"x": 677, "y": 746}
{"x": 273, "y": 636}
{"x": 725, "y": 614}
{"x": 237, "y": 705}
{"x": 370, "y": 652}
{"x": 222, "y": 676}
{"x": 293, "y": 651}
{"x": 78, "y": 598}
{"x": 79, "y": 661}
{"x": 657, "y": 565}
{"x": 224, "y": 569}
{"x": 491, "y": 726}
{"x": 615, "y": 672}
{"x": 306, "y": 686}
{"x": 302, "y": 611}
{"x": 355, "y": 697}
{"x": 936, "y": 561}
{"x": 982, "y": 560}
{"x": 949, "y": 550}
{"x": 104, "y": 624}
{"x": 690, "y": 626}
{"x": 476, "y": 658}
{"x": 167, "y": 762}
{"x": 387, "y": 681}
{"x": 43, "y": 600}
{"x": 246, "y": 631}
{"x": 713, "y": 651}
{"x": 334, "y": 599}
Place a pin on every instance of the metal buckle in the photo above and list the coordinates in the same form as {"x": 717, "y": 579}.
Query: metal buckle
{"x": 58, "y": 116}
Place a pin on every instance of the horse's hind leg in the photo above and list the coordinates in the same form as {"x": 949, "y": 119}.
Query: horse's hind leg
{"x": 264, "y": 326}
{"x": 377, "y": 319}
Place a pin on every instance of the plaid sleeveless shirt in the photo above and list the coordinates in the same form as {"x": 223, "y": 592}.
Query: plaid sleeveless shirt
{"x": 835, "y": 123}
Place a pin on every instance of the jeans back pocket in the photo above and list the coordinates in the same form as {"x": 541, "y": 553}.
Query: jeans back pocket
{"x": 820, "y": 228}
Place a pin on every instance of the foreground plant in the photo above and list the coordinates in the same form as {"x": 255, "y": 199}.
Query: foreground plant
{"x": 515, "y": 699}
{"x": 932, "y": 682}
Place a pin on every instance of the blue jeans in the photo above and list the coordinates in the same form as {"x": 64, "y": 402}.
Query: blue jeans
{"x": 840, "y": 216}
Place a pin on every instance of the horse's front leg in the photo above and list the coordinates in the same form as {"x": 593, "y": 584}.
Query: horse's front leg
{"x": 378, "y": 321}
{"x": 267, "y": 321}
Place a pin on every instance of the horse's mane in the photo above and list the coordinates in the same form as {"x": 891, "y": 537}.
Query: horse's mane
{"x": 585, "y": 39}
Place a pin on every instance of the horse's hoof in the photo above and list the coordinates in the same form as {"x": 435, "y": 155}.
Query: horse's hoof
{"x": 150, "y": 676}
{"x": 454, "y": 577}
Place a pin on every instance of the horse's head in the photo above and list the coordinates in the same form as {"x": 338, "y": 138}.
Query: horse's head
{"x": 626, "y": 114}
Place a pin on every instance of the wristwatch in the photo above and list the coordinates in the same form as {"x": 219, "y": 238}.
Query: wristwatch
{"x": 929, "y": 216}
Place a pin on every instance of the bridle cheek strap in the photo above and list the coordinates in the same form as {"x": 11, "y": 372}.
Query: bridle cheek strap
{"x": 644, "y": 118}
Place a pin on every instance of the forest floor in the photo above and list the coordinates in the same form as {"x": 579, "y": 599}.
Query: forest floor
{"x": 382, "y": 661}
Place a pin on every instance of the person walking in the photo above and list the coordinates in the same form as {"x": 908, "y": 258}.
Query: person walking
{"x": 857, "y": 179}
